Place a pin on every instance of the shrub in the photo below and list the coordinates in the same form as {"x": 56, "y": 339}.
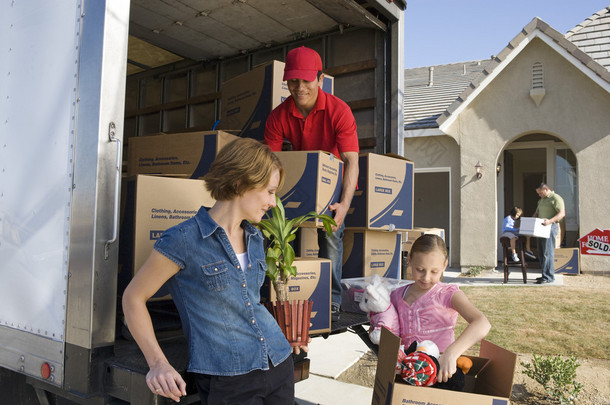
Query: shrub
{"x": 474, "y": 271}
{"x": 556, "y": 375}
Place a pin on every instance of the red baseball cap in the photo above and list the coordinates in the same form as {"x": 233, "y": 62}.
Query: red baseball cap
{"x": 302, "y": 63}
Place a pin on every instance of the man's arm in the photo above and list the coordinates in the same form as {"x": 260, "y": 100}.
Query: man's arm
{"x": 558, "y": 217}
{"x": 350, "y": 180}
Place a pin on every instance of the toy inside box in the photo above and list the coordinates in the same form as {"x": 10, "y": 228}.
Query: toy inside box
{"x": 353, "y": 288}
{"x": 533, "y": 227}
{"x": 489, "y": 381}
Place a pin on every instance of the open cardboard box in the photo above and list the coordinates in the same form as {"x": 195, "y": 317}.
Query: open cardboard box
{"x": 489, "y": 381}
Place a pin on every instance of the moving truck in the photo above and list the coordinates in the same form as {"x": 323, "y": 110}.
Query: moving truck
{"x": 78, "y": 79}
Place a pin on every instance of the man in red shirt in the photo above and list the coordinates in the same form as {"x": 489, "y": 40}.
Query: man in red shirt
{"x": 312, "y": 119}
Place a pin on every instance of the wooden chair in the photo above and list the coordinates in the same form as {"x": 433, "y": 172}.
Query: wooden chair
{"x": 519, "y": 248}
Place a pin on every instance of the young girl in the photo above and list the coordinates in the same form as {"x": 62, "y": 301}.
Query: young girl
{"x": 510, "y": 230}
{"x": 428, "y": 308}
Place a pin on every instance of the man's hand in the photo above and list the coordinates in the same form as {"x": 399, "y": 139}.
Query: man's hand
{"x": 340, "y": 211}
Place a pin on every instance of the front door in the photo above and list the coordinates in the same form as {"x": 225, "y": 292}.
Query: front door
{"x": 526, "y": 163}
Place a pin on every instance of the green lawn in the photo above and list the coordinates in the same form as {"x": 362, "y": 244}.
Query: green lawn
{"x": 545, "y": 320}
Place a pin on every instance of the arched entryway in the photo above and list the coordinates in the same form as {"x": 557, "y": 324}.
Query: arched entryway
{"x": 530, "y": 160}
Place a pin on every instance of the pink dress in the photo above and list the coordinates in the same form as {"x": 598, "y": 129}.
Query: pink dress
{"x": 430, "y": 317}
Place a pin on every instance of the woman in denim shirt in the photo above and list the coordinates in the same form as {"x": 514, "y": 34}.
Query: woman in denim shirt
{"x": 214, "y": 265}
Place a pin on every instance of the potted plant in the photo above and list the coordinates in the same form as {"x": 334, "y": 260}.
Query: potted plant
{"x": 293, "y": 317}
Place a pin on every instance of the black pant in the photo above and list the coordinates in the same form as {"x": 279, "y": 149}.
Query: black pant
{"x": 271, "y": 387}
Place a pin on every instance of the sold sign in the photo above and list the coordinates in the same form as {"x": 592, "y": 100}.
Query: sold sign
{"x": 597, "y": 242}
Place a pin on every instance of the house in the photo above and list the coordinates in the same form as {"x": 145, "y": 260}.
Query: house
{"x": 537, "y": 111}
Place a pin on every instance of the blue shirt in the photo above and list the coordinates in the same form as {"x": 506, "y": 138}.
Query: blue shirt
{"x": 509, "y": 225}
{"x": 229, "y": 332}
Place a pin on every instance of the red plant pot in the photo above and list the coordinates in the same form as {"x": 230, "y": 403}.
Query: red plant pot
{"x": 293, "y": 317}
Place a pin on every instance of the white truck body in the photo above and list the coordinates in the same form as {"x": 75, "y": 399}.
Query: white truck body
{"x": 62, "y": 91}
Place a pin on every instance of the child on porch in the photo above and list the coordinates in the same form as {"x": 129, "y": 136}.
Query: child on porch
{"x": 511, "y": 231}
{"x": 428, "y": 308}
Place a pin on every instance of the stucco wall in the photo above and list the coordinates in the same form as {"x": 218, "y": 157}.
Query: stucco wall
{"x": 439, "y": 151}
{"x": 575, "y": 109}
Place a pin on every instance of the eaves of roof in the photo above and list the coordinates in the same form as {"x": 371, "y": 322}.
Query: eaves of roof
{"x": 430, "y": 90}
{"x": 535, "y": 29}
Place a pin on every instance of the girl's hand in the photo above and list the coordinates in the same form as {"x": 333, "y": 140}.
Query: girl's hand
{"x": 162, "y": 379}
{"x": 446, "y": 368}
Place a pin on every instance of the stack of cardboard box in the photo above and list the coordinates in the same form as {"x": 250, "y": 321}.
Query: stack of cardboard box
{"x": 312, "y": 182}
{"x": 382, "y": 207}
{"x": 162, "y": 189}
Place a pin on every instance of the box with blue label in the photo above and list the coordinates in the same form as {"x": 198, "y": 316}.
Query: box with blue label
{"x": 312, "y": 282}
{"x": 186, "y": 154}
{"x": 384, "y": 198}
{"x": 151, "y": 205}
{"x": 567, "y": 261}
{"x": 367, "y": 252}
{"x": 247, "y": 99}
{"x": 312, "y": 182}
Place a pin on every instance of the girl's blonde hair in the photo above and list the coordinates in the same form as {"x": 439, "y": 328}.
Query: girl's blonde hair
{"x": 429, "y": 243}
{"x": 242, "y": 165}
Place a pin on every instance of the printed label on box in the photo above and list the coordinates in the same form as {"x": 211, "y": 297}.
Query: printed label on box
{"x": 384, "y": 199}
{"x": 371, "y": 252}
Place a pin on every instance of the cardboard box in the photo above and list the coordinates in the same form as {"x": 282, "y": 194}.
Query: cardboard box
{"x": 384, "y": 198}
{"x": 312, "y": 182}
{"x": 489, "y": 381}
{"x": 187, "y": 154}
{"x": 152, "y": 205}
{"x": 307, "y": 245}
{"x": 312, "y": 282}
{"x": 567, "y": 261}
{"x": 368, "y": 252}
{"x": 411, "y": 235}
{"x": 352, "y": 290}
{"x": 247, "y": 99}
{"x": 533, "y": 227}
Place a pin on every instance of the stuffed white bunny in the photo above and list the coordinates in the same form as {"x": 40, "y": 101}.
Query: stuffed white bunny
{"x": 376, "y": 303}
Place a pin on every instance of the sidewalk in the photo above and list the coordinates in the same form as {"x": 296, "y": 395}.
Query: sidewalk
{"x": 329, "y": 358}
{"x": 496, "y": 278}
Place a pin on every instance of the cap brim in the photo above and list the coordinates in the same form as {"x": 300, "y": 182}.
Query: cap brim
{"x": 309, "y": 75}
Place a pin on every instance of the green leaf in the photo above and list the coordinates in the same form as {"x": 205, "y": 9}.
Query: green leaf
{"x": 289, "y": 255}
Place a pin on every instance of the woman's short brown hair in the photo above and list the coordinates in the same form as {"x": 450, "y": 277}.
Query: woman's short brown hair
{"x": 242, "y": 165}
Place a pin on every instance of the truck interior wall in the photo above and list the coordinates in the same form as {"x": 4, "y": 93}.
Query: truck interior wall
{"x": 160, "y": 100}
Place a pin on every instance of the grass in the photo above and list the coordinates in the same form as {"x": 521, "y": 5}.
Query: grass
{"x": 545, "y": 320}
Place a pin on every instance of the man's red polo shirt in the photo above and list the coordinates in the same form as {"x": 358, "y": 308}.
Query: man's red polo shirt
{"x": 330, "y": 126}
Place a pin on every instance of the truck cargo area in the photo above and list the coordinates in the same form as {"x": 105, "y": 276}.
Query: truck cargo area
{"x": 85, "y": 77}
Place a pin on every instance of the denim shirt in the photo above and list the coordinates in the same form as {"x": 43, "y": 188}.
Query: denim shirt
{"x": 229, "y": 332}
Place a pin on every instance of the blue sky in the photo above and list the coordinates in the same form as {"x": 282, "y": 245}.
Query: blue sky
{"x": 447, "y": 31}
